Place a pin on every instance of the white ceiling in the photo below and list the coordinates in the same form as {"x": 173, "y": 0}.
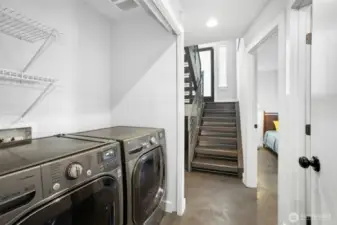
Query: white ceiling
{"x": 108, "y": 8}
{"x": 267, "y": 55}
{"x": 234, "y": 17}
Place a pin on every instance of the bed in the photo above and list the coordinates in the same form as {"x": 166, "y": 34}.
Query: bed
{"x": 271, "y": 137}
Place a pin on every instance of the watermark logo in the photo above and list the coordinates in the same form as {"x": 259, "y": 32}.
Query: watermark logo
{"x": 294, "y": 217}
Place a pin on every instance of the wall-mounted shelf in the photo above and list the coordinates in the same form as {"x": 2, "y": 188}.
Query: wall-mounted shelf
{"x": 16, "y": 75}
{"x": 19, "y": 26}
{"x": 23, "y": 28}
{"x": 27, "y": 79}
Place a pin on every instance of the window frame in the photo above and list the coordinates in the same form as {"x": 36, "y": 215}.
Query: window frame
{"x": 225, "y": 86}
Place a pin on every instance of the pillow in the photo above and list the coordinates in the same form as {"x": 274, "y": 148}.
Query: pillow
{"x": 276, "y": 124}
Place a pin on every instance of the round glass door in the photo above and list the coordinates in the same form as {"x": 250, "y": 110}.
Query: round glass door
{"x": 96, "y": 203}
{"x": 148, "y": 184}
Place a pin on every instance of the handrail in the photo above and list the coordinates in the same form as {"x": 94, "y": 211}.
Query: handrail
{"x": 194, "y": 120}
{"x": 194, "y": 62}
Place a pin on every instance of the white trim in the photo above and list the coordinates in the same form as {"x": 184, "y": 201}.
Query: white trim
{"x": 263, "y": 35}
{"x": 167, "y": 13}
{"x": 290, "y": 92}
{"x": 169, "y": 207}
{"x": 181, "y": 201}
{"x": 277, "y": 25}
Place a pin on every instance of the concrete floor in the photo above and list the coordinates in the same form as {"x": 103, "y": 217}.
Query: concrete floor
{"x": 221, "y": 200}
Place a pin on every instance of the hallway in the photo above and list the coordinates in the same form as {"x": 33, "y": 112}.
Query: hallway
{"x": 267, "y": 187}
{"x": 218, "y": 200}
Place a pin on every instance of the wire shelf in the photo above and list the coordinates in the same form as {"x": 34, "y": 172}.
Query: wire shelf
{"x": 19, "y": 26}
{"x": 15, "y": 75}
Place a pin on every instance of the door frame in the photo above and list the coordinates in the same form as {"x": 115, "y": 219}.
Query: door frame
{"x": 166, "y": 16}
{"x": 291, "y": 178}
{"x": 211, "y": 49}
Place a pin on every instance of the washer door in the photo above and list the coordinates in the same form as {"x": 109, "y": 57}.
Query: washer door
{"x": 96, "y": 203}
{"x": 148, "y": 184}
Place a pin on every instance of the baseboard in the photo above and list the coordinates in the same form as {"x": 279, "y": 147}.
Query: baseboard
{"x": 181, "y": 209}
{"x": 169, "y": 207}
{"x": 248, "y": 184}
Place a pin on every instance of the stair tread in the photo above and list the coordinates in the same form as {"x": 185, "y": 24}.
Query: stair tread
{"x": 215, "y": 164}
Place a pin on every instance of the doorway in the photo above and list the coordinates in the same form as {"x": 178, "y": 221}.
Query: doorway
{"x": 207, "y": 66}
{"x": 291, "y": 112}
{"x": 267, "y": 112}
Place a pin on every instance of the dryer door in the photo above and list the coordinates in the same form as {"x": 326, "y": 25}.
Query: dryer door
{"x": 96, "y": 203}
{"x": 148, "y": 182}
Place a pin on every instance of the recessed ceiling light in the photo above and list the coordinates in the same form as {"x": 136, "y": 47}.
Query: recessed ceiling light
{"x": 212, "y": 22}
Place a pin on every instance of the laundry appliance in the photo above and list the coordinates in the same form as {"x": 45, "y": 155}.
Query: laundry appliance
{"x": 61, "y": 180}
{"x": 144, "y": 169}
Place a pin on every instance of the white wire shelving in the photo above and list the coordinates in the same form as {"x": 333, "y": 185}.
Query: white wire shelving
{"x": 20, "y": 76}
{"x": 19, "y": 26}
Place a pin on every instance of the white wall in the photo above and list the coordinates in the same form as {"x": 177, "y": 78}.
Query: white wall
{"x": 267, "y": 89}
{"x": 80, "y": 60}
{"x": 229, "y": 93}
{"x": 144, "y": 88}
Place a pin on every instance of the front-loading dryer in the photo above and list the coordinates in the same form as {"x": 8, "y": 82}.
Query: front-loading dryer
{"x": 61, "y": 180}
{"x": 144, "y": 160}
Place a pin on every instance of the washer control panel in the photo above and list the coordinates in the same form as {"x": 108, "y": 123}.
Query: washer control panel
{"x": 74, "y": 171}
{"x": 142, "y": 143}
{"x": 71, "y": 171}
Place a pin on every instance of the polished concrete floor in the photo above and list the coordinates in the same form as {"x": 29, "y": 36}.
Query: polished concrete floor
{"x": 221, "y": 200}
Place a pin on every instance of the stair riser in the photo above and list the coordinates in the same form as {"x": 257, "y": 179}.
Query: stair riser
{"x": 218, "y": 134}
{"x": 217, "y": 154}
{"x": 220, "y": 114}
{"x": 219, "y": 140}
{"x": 217, "y": 145}
{"x": 219, "y": 124}
{"x": 219, "y": 129}
{"x": 220, "y": 111}
{"x": 216, "y": 171}
{"x": 227, "y": 158}
{"x": 219, "y": 119}
{"x": 214, "y": 168}
{"x": 220, "y": 106}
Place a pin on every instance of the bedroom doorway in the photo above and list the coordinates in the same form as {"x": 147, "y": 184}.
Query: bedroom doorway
{"x": 266, "y": 83}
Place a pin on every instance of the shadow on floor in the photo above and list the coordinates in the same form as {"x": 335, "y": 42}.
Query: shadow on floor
{"x": 220, "y": 200}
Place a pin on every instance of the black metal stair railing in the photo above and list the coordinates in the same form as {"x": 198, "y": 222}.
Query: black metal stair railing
{"x": 192, "y": 72}
{"x": 194, "y": 120}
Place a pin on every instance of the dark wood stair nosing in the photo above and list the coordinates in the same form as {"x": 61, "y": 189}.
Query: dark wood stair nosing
{"x": 215, "y": 164}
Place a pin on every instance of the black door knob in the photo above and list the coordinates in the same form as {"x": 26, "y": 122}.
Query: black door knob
{"x": 306, "y": 163}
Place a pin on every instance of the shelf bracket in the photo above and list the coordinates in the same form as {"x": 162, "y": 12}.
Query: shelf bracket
{"x": 39, "y": 51}
{"x": 35, "y": 102}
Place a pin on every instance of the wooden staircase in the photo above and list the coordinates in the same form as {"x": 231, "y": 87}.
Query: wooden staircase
{"x": 219, "y": 148}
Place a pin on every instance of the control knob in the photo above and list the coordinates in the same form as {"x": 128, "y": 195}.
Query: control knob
{"x": 153, "y": 141}
{"x": 74, "y": 171}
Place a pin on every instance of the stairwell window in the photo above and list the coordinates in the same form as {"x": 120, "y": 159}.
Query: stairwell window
{"x": 222, "y": 66}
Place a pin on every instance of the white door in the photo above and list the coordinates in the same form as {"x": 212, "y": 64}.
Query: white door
{"x": 324, "y": 112}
